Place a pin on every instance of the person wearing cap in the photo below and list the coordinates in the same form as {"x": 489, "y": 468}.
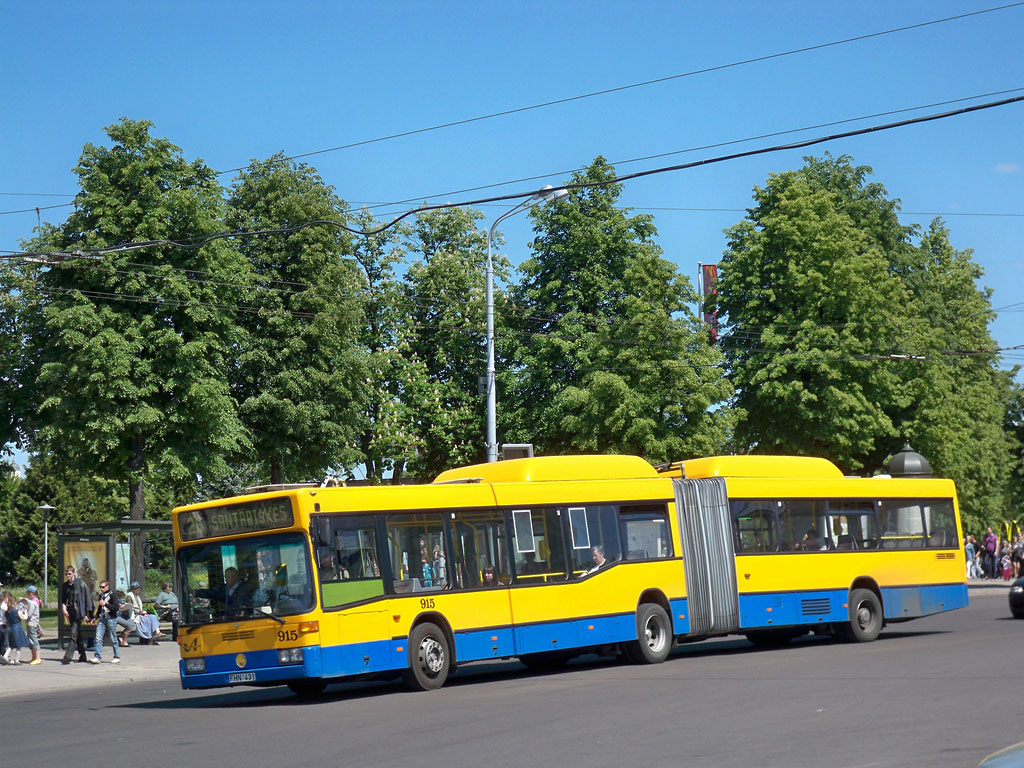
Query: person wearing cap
{"x": 147, "y": 625}
{"x": 32, "y": 621}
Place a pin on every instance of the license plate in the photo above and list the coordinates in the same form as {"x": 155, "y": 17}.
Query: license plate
{"x": 242, "y": 677}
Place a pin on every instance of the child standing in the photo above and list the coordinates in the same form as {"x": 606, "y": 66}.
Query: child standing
{"x": 30, "y": 602}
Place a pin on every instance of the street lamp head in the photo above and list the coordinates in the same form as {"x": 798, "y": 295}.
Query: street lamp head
{"x": 549, "y": 194}
{"x": 46, "y": 510}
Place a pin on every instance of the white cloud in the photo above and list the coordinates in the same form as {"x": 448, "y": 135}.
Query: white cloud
{"x": 1007, "y": 167}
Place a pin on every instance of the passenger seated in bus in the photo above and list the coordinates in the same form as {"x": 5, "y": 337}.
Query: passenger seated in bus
{"x": 597, "y": 555}
{"x": 490, "y": 578}
{"x": 809, "y": 543}
{"x": 530, "y": 566}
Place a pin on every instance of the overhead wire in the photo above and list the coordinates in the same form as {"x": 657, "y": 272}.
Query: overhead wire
{"x": 653, "y": 81}
{"x": 618, "y": 179}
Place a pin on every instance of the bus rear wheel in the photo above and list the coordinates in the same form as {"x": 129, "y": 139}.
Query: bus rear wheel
{"x": 654, "y": 636}
{"x": 865, "y": 618}
{"x": 429, "y": 658}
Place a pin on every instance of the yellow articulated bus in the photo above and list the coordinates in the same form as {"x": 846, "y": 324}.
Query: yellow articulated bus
{"x": 543, "y": 559}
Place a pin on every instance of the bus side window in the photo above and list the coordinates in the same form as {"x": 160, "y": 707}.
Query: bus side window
{"x": 413, "y": 541}
{"x": 853, "y": 525}
{"x": 645, "y": 532}
{"x": 902, "y": 524}
{"x": 754, "y": 525}
{"x": 591, "y": 527}
{"x": 538, "y": 546}
{"x": 802, "y": 525}
{"x": 940, "y": 524}
{"x": 480, "y": 541}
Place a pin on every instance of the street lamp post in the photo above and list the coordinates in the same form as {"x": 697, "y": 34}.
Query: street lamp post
{"x": 46, "y": 509}
{"x": 545, "y": 195}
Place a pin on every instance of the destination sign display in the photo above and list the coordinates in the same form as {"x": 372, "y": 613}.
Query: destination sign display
{"x": 232, "y": 519}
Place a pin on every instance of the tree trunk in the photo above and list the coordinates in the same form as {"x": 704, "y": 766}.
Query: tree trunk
{"x": 275, "y": 469}
{"x": 396, "y": 475}
{"x": 137, "y": 509}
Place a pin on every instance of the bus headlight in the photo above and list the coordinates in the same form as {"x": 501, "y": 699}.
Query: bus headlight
{"x": 195, "y": 666}
{"x": 289, "y": 656}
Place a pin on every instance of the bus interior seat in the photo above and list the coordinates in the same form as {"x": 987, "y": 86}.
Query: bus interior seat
{"x": 889, "y": 540}
{"x": 846, "y": 541}
{"x": 937, "y": 539}
{"x": 637, "y": 554}
{"x": 403, "y": 585}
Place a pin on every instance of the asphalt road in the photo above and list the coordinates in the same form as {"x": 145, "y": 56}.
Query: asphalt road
{"x": 939, "y": 691}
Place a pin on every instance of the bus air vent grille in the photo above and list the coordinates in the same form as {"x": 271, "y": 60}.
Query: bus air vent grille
{"x": 815, "y": 607}
{"x": 245, "y": 634}
{"x": 945, "y": 556}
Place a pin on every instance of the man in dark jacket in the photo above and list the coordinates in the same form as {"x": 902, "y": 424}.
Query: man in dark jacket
{"x": 107, "y": 607}
{"x": 76, "y": 605}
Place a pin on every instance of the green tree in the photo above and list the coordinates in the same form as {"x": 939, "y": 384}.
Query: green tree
{"x": 298, "y": 374}
{"x": 610, "y": 357}
{"x": 131, "y": 349}
{"x": 959, "y": 397}
{"x": 444, "y": 289}
{"x": 396, "y": 379}
{"x": 814, "y": 312}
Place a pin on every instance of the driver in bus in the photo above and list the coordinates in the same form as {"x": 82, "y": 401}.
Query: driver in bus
{"x": 809, "y": 543}
{"x": 230, "y": 598}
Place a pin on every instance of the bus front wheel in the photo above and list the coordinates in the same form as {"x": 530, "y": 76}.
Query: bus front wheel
{"x": 654, "y": 635}
{"x": 429, "y": 658}
{"x": 865, "y": 618}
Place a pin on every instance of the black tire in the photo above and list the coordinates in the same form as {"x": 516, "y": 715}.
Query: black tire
{"x": 1018, "y": 614}
{"x": 865, "y": 618}
{"x": 307, "y": 689}
{"x": 769, "y": 638}
{"x": 654, "y": 636}
{"x": 546, "y": 661}
{"x": 430, "y": 658}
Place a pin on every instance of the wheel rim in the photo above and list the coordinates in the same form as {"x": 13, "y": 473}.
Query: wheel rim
{"x": 865, "y": 615}
{"x": 431, "y": 656}
{"x": 655, "y": 634}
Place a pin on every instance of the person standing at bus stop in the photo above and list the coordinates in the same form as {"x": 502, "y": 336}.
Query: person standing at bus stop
{"x": 76, "y": 605}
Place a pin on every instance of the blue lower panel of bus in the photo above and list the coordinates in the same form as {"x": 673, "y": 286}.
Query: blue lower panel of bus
{"x": 910, "y": 602}
{"x": 360, "y": 658}
{"x": 826, "y": 606}
{"x": 680, "y": 617}
{"x": 259, "y": 667}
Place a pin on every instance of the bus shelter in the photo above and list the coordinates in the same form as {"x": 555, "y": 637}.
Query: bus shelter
{"x": 99, "y": 551}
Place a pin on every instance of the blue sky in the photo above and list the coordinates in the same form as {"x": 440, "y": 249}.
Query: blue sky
{"x": 232, "y": 81}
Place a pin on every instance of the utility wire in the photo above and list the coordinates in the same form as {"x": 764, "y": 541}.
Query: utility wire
{"x": 645, "y": 83}
{"x": 370, "y": 205}
{"x": 96, "y": 253}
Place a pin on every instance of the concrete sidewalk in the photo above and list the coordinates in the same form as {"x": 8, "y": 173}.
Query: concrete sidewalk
{"x": 138, "y": 662}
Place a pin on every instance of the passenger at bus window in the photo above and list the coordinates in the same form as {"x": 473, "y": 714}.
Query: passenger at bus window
{"x": 325, "y": 564}
{"x": 427, "y": 573}
{"x": 810, "y": 542}
{"x": 440, "y": 569}
{"x": 530, "y": 566}
{"x": 597, "y": 555}
{"x": 490, "y": 578}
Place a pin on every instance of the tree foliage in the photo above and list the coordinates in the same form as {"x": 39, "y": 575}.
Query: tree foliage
{"x": 844, "y": 338}
{"x": 610, "y": 356}
{"x": 444, "y": 288}
{"x": 131, "y": 350}
{"x": 298, "y": 374}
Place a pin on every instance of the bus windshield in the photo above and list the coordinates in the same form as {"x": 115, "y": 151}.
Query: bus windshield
{"x": 245, "y": 578}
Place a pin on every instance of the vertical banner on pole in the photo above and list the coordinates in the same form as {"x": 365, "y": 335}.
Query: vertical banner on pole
{"x": 709, "y": 289}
